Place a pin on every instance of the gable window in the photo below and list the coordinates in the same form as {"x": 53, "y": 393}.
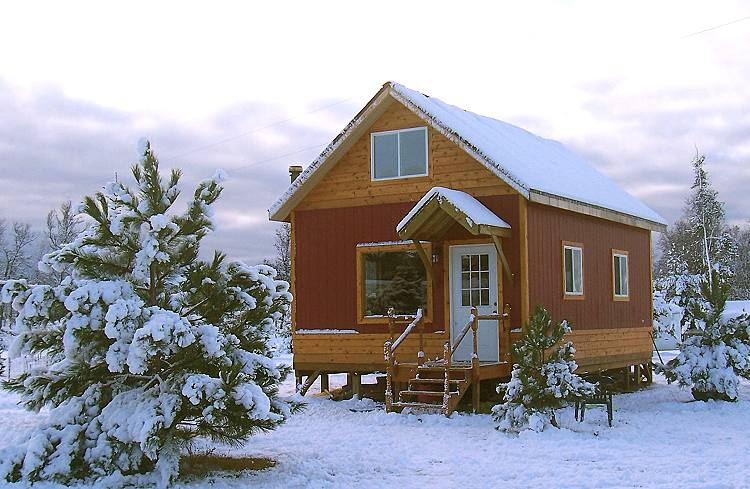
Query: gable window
{"x": 573, "y": 270}
{"x": 620, "y": 274}
{"x": 391, "y": 275}
{"x": 399, "y": 154}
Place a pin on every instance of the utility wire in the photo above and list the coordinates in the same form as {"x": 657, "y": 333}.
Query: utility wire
{"x": 279, "y": 122}
{"x": 256, "y": 163}
{"x": 715, "y": 27}
{"x": 238, "y": 136}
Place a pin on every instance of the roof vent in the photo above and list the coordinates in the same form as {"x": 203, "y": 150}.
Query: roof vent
{"x": 294, "y": 172}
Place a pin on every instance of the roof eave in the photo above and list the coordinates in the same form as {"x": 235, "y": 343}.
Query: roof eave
{"x": 282, "y": 208}
{"x": 594, "y": 210}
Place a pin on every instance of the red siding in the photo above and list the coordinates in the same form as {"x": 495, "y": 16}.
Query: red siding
{"x": 547, "y": 228}
{"x": 325, "y": 261}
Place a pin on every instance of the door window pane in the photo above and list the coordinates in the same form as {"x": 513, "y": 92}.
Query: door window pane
{"x": 475, "y": 291}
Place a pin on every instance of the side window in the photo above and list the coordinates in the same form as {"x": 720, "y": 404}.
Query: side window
{"x": 399, "y": 154}
{"x": 573, "y": 270}
{"x": 620, "y": 275}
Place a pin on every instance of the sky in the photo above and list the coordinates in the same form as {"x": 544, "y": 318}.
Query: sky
{"x": 635, "y": 87}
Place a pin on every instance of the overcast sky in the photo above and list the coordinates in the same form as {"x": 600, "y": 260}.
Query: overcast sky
{"x": 634, "y": 87}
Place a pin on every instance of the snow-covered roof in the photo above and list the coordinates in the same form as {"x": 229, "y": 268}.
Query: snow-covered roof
{"x": 528, "y": 163}
{"x": 474, "y": 211}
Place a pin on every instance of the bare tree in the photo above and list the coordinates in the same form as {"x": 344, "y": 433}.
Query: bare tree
{"x": 15, "y": 253}
{"x": 63, "y": 226}
{"x": 15, "y": 259}
{"x": 283, "y": 245}
{"x": 282, "y": 262}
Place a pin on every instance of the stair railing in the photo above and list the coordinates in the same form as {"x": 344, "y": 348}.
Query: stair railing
{"x": 390, "y": 347}
{"x": 449, "y": 349}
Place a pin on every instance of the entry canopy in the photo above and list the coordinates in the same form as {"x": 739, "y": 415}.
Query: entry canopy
{"x": 440, "y": 208}
{"x": 436, "y": 212}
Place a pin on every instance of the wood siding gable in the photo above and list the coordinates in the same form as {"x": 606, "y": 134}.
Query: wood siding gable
{"x": 349, "y": 184}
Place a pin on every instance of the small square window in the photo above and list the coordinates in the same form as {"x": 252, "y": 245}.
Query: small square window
{"x": 399, "y": 154}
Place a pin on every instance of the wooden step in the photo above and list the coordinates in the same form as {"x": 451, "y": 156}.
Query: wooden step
{"x": 435, "y": 381}
{"x": 420, "y": 406}
{"x": 427, "y": 393}
{"x": 439, "y": 373}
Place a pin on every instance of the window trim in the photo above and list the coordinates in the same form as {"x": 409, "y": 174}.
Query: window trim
{"x": 620, "y": 297}
{"x": 398, "y": 151}
{"x": 572, "y": 295}
{"x": 361, "y": 252}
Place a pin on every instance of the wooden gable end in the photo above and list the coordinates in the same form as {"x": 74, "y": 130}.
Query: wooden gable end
{"x": 349, "y": 183}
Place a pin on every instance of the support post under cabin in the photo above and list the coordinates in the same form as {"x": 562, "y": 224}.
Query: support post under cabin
{"x": 324, "y": 385}
{"x": 355, "y": 380}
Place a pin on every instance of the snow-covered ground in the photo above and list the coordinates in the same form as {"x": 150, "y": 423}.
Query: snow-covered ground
{"x": 659, "y": 439}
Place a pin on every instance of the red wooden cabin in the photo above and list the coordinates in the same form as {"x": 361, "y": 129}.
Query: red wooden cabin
{"x": 418, "y": 204}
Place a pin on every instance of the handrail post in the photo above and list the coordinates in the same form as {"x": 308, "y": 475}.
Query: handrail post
{"x": 447, "y": 354}
{"x": 389, "y": 361}
{"x": 420, "y": 355}
{"x": 391, "y": 323}
{"x": 506, "y": 327}
{"x": 388, "y": 376}
{"x": 475, "y": 361}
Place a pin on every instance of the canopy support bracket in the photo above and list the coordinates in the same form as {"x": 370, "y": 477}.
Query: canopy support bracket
{"x": 503, "y": 259}
{"x": 425, "y": 259}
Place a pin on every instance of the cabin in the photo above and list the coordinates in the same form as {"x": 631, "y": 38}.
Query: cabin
{"x": 424, "y": 235}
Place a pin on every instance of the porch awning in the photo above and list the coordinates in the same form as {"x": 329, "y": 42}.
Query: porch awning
{"x": 440, "y": 208}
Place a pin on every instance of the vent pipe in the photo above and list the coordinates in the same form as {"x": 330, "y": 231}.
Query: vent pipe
{"x": 294, "y": 172}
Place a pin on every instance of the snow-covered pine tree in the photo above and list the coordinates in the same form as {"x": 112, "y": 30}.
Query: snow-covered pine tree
{"x": 698, "y": 242}
{"x": 741, "y": 266}
{"x": 543, "y": 378}
{"x": 153, "y": 346}
{"x": 717, "y": 351}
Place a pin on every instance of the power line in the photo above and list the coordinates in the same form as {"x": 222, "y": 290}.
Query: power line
{"x": 255, "y": 163}
{"x": 238, "y": 136}
{"x": 715, "y": 27}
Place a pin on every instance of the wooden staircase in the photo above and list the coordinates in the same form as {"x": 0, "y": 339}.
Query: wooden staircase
{"x": 438, "y": 385}
{"x": 427, "y": 393}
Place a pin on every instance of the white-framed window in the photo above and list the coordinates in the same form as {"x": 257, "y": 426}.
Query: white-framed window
{"x": 573, "y": 269}
{"x": 620, "y": 274}
{"x": 399, "y": 154}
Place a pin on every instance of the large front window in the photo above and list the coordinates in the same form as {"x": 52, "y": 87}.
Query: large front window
{"x": 391, "y": 276}
{"x": 399, "y": 154}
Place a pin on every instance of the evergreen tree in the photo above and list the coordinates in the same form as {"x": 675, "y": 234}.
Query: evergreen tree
{"x": 699, "y": 242}
{"x": 717, "y": 351}
{"x": 741, "y": 267}
{"x": 155, "y": 347}
{"x": 543, "y": 378}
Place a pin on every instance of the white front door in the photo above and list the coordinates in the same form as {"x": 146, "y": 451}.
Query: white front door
{"x": 473, "y": 282}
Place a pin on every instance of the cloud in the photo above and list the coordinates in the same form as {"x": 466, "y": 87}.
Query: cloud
{"x": 646, "y": 138}
{"x": 55, "y": 148}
